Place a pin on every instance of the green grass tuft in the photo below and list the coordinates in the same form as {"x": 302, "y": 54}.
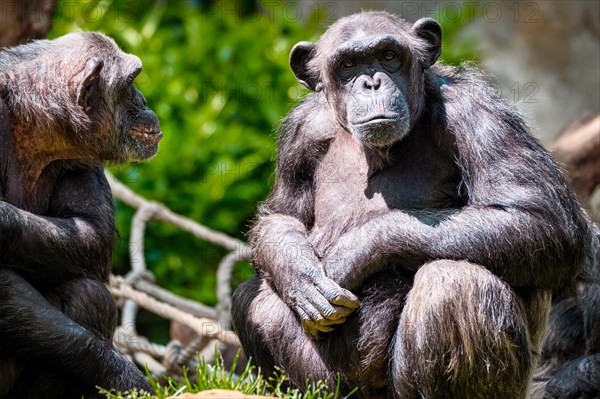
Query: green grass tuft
{"x": 249, "y": 382}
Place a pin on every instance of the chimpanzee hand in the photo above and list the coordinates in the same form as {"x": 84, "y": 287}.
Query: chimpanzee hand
{"x": 320, "y": 303}
{"x": 133, "y": 378}
{"x": 124, "y": 376}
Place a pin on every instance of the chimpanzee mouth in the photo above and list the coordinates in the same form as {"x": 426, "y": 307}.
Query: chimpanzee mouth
{"x": 380, "y": 130}
{"x": 377, "y": 119}
{"x": 145, "y": 134}
{"x": 142, "y": 142}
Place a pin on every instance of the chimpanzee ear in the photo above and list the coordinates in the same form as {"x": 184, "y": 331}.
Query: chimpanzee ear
{"x": 87, "y": 81}
{"x": 299, "y": 57}
{"x": 429, "y": 30}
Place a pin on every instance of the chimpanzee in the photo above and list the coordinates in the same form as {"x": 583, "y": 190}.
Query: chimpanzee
{"x": 570, "y": 360}
{"x": 416, "y": 230}
{"x": 65, "y": 106}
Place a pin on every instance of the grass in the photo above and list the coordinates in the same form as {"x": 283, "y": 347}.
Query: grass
{"x": 250, "y": 382}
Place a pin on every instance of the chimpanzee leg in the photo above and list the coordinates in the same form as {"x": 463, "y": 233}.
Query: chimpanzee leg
{"x": 69, "y": 347}
{"x": 88, "y": 303}
{"x": 271, "y": 334}
{"x": 358, "y": 349}
{"x": 464, "y": 334}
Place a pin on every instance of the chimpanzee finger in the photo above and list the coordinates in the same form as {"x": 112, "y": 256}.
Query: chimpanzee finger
{"x": 337, "y": 295}
{"x": 334, "y": 322}
{"x": 310, "y": 310}
{"x": 306, "y": 323}
{"x": 339, "y": 312}
{"x": 327, "y": 310}
{"x": 310, "y": 327}
{"x": 319, "y": 327}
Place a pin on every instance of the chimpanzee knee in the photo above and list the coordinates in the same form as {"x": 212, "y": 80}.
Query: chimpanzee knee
{"x": 87, "y": 302}
{"x": 246, "y": 324}
{"x": 462, "y": 334}
{"x": 271, "y": 334}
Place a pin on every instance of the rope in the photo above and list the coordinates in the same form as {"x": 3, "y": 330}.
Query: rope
{"x": 194, "y": 347}
{"x": 135, "y": 343}
{"x": 137, "y": 289}
{"x": 136, "y": 256}
{"x": 126, "y": 195}
{"x": 224, "y": 271}
{"x": 202, "y": 326}
{"x": 172, "y": 355}
{"x": 183, "y": 304}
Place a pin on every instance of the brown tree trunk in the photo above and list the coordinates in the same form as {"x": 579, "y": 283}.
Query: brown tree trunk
{"x": 24, "y": 20}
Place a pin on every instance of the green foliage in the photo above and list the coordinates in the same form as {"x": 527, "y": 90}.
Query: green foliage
{"x": 219, "y": 81}
{"x": 218, "y": 377}
{"x": 454, "y": 17}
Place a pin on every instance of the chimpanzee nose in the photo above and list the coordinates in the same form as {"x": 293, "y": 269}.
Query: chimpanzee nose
{"x": 372, "y": 83}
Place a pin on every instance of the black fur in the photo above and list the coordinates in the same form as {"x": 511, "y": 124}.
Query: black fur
{"x": 570, "y": 361}
{"x": 65, "y": 106}
{"x": 415, "y": 226}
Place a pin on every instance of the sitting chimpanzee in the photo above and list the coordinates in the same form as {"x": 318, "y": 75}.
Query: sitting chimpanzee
{"x": 65, "y": 106}
{"x": 416, "y": 229}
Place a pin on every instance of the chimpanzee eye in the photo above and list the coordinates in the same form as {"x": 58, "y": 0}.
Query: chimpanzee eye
{"x": 347, "y": 69}
{"x": 390, "y": 61}
{"x": 389, "y": 56}
{"x": 349, "y": 63}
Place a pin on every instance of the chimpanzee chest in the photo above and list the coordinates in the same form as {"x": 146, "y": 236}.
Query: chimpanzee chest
{"x": 351, "y": 184}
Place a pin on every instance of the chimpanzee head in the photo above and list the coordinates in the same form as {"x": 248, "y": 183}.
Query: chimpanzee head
{"x": 73, "y": 97}
{"x": 371, "y": 67}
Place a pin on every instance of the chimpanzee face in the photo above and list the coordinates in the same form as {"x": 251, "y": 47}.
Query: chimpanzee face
{"x": 123, "y": 127}
{"x": 372, "y": 75}
{"x": 139, "y": 127}
{"x": 88, "y": 108}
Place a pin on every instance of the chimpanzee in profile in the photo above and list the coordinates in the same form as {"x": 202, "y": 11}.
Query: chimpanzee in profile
{"x": 416, "y": 230}
{"x": 65, "y": 106}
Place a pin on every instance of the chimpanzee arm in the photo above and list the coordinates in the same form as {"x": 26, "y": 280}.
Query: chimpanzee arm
{"x": 281, "y": 251}
{"x": 522, "y": 220}
{"x": 76, "y": 240}
{"x": 34, "y": 329}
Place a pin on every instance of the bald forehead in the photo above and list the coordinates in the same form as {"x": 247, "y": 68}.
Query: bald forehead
{"x": 363, "y": 27}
